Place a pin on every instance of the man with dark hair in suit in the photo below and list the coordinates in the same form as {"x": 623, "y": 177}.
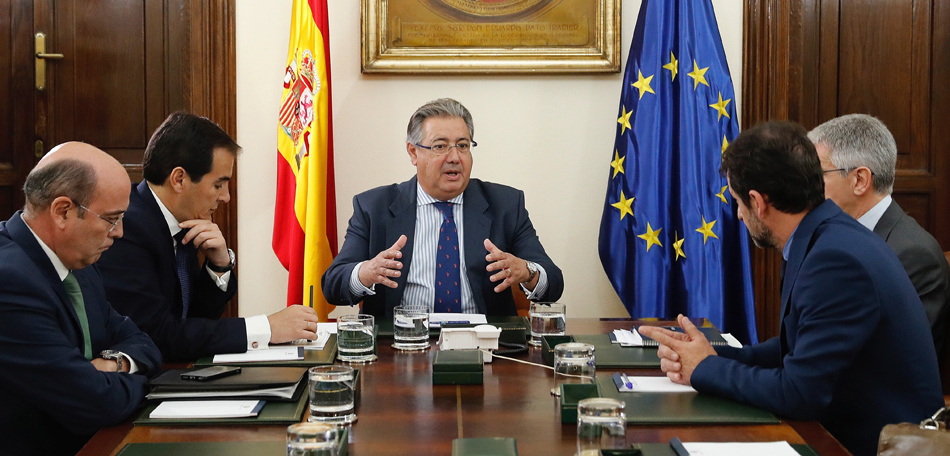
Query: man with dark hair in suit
{"x": 416, "y": 238}
{"x": 153, "y": 274}
{"x": 858, "y": 158}
{"x": 70, "y": 363}
{"x": 854, "y": 351}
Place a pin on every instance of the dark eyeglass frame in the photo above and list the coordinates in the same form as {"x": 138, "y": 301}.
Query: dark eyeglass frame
{"x": 843, "y": 170}
{"x": 114, "y": 224}
{"x": 448, "y": 148}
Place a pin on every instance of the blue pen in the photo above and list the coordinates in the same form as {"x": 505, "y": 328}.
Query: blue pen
{"x": 678, "y": 447}
{"x": 626, "y": 381}
{"x": 460, "y": 322}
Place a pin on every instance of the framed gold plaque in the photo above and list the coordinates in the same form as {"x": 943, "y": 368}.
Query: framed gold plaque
{"x": 491, "y": 36}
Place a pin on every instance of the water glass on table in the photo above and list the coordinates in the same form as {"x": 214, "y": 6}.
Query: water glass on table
{"x": 601, "y": 425}
{"x": 356, "y": 338}
{"x": 410, "y": 328}
{"x": 547, "y": 319}
{"x": 573, "y": 363}
{"x": 312, "y": 439}
{"x": 332, "y": 395}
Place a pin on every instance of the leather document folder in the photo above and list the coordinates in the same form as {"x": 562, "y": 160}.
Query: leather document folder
{"x": 664, "y": 449}
{"x": 609, "y": 355}
{"x": 274, "y": 412}
{"x": 683, "y": 408}
{"x": 311, "y": 358}
{"x": 218, "y": 448}
{"x": 248, "y": 378}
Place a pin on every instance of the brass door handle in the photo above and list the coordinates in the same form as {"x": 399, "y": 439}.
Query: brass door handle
{"x": 41, "y": 57}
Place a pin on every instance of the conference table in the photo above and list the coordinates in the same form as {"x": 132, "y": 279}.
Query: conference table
{"x": 401, "y": 410}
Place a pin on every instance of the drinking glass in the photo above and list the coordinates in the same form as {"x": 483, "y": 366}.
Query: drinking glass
{"x": 332, "y": 396}
{"x": 547, "y": 319}
{"x": 573, "y": 363}
{"x": 410, "y": 328}
{"x": 356, "y": 338}
{"x": 312, "y": 439}
{"x": 601, "y": 425}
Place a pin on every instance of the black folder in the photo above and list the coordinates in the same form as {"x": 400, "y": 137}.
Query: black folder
{"x": 251, "y": 383}
{"x": 274, "y": 412}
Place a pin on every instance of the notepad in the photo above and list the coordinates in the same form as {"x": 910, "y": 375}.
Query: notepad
{"x": 740, "y": 448}
{"x": 323, "y": 335}
{"x": 650, "y": 385}
{"x": 437, "y": 319}
{"x": 206, "y": 409}
{"x": 634, "y": 339}
{"x": 267, "y": 354}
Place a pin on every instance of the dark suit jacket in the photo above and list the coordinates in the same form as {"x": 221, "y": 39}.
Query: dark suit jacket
{"x": 141, "y": 279}
{"x": 490, "y": 211}
{"x": 52, "y": 399}
{"x": 854, "y": 351}
{"x": 924, "y": 262}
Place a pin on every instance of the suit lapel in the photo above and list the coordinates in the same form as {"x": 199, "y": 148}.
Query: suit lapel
{"x": 20, "y": 233}
{"x": 476, "y": 230}
{"x": 402, "y": 213}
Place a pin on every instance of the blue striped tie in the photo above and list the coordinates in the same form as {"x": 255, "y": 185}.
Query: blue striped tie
{"x": 182, "y": 256}
{"x": 448, "y": 286}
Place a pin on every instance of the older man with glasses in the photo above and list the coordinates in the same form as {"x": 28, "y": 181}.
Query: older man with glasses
{"x": 858, "y": 158}
{"x": 441, "y": 240}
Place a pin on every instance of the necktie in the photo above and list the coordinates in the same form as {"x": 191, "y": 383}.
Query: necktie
{"x": 448, "y": 288}
{"x": 182, "y": 255}
{"x": 75, "y": 295}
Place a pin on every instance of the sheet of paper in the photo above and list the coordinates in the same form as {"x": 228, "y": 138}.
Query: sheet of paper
{"x": 656, "y": 385}
{"x": 731, "y": 340}
{"x": 329, "y": 328}
{"x": 285, "y": 392}
{"x": 627, "y": 338}
{"x": 436, "y": 319}
{"x": 740, "y": 449}
{"x": 288, "y": 353}
{"x": 206, "y": 409}
{"x": 322, "y": 337}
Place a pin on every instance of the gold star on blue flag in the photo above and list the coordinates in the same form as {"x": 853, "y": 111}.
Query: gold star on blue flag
{"x": 667, "y": 153}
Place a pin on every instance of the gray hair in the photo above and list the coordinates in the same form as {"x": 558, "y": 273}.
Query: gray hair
{"x": 443, "y": 107}
{"x": 68, "y": 177}
{"x": 860, "y": 140}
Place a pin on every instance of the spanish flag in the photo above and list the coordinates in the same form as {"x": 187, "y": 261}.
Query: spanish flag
{"x": 305, "y": 217}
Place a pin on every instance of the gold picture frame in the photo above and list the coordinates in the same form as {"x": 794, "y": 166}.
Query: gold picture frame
{"x": 490, "y": 36}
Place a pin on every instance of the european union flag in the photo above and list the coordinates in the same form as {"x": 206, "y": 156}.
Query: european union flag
{"x": 670, "y": 240}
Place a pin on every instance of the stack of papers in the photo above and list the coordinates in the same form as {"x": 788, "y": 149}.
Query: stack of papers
{"x": 267, "y": 354}
{"x": 650, "y": 385}
{"x": 628, "y": 338}
{"x": 206, "y": 409}
{"x": 280, "y": 392}
{"x": 740, "y": 448}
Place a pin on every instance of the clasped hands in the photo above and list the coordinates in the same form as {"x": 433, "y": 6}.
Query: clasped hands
{"x": 679, "y": 353}
{"x": 511, "y": 269}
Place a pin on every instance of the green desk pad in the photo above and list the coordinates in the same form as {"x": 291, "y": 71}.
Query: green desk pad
{"x": 683, "y": 408}
{"x": 217, "y": 448}
{"x": 664, "y": 449}
{"x": 274, "y": 412}
{"x": 310, "y": 358}
{"x": 612, "y": 356}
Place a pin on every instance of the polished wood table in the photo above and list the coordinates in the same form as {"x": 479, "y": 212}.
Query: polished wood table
{"x": 402, "y": 410}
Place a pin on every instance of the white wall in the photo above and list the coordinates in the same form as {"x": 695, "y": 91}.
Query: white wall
{"x": 550, "y": 136}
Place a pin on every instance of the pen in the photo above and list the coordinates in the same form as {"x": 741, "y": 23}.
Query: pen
{"x": 459, "y": 322}
{"x": 626, "y": 381}
{"x": 678, "y": 447}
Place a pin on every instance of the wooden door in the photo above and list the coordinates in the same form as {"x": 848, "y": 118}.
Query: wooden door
{"x": 813, "y": 60}
{"x": 126, "y": 64}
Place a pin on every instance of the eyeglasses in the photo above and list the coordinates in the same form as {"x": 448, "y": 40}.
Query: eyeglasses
{"x": 843, "y": 170}
{"x": 115, "y": 222}
{"x": 442, "y": 149}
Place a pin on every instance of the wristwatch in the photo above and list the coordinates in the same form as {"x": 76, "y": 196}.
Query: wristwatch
{"x": 533, "y": 269}
{"x": 227, "y": 268}
{"x": 114, "y": 355}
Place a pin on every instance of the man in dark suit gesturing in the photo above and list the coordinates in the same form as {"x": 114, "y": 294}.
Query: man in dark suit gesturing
{"x": 854, "y": 351}
{"x": 441, "y": 240}
{"x": 858, "y": 158}
{"x": 70, "y": 363}
{"x": 153, "y": 274}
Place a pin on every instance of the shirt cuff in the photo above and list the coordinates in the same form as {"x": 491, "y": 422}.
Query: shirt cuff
{"x": 221, "y": 282}
{"x": 540, "y": 288}
{"x": 258, "y": 332}
{"x": 133, "y": 368}
{"x": 357, "y": 288}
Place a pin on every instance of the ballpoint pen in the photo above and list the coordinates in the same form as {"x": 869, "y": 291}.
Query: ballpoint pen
{"x": 626, "y": 381}
{"x": 678, "y": 447}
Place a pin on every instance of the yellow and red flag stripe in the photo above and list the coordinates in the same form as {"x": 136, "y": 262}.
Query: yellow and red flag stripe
{"x": 305, "y": 217}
